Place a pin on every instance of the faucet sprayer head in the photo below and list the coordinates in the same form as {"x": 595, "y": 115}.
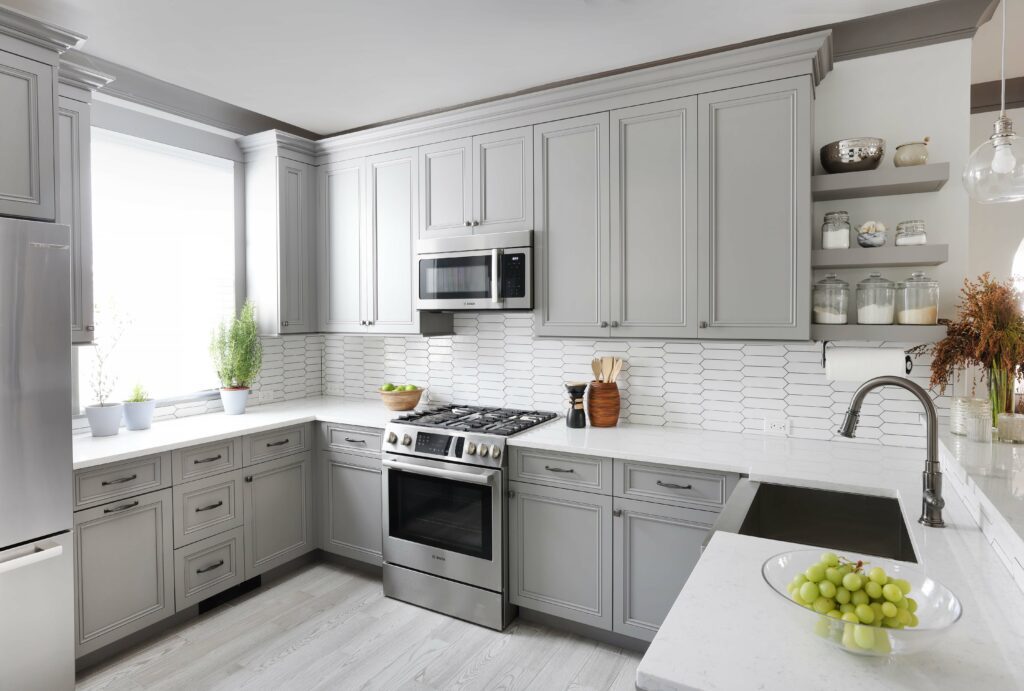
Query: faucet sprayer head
{"x": 849, "y": 426}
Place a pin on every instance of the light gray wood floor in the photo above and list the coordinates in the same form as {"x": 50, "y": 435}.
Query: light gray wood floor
{"x": 326, "y": 626}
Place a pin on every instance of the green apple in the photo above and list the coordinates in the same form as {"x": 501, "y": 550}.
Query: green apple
{"x": 409, "y": 387}
{"x": 390, "y": 387}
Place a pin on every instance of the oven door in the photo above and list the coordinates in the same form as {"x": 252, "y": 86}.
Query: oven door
{"x": 498, "y": 279}
{"x": 444, "y": 519}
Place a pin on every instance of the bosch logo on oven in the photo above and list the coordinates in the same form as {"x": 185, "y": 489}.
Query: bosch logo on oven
{"x": 438, "y": 557}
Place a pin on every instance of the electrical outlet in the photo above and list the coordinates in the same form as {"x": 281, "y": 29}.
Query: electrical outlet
{"x": 778, "y": 427}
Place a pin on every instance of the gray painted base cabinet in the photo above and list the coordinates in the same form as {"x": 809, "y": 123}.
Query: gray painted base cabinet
{"x": 278, "y": 509}
{"x": 351, "y": 506}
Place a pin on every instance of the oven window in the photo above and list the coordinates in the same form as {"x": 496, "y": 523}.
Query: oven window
{"x": 455, "y": 278}
{"x": 449, "y": 515}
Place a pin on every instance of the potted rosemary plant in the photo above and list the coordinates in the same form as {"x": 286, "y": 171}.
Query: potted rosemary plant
{"x": 138, "y": 410}
{"x": 237, "y": 356}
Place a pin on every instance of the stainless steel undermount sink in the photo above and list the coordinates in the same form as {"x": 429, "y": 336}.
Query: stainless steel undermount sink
{"x": 841, "y": 521}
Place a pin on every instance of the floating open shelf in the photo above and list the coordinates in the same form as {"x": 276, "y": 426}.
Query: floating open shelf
{"x": 880, "y": 182}
{"x": 898, "y": 333}
{"x": 857, "y": 257}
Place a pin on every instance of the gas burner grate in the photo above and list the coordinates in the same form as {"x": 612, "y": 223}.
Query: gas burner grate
{"x": 477, "y": 419}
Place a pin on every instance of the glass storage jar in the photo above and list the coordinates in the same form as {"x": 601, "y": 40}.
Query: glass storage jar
{"x": 876, "y": 299}
{"x": 917, "y": 300}
{"x": 910, "y": 233}
{"x": 831, "y": 298}
{"x": 835, "y": 231}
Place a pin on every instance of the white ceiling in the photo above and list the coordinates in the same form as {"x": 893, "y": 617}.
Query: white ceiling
{"x": 331, "y": 65}
{"x": 985, "y": 50}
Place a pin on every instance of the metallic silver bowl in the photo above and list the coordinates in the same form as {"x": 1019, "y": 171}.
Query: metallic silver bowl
{"x": 848, "y": 155}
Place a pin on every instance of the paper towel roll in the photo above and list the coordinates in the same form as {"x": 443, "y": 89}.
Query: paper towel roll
{"x": 861, "y": 364}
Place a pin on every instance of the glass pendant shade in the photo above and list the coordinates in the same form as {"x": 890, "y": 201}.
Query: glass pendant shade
{"x": 995, "y": 170}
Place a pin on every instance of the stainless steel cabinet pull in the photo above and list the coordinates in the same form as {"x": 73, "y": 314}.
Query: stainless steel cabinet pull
{"x": 211, "y": 567}
{"x": 559, "y": 470}
{"x": 248, "y": 478}
{"x": 211, "y": 459}
{"x": 672, "y": 485}
{"x": 476, "y": 223}
{"x": 617, "y": 513}
{"x": 277, "y": 443}
{"x": 355, "y": 441}
{"x": 615, "y": 325}
{"x": 511, "y": 493}
{"x": 284, "y": 323}
{"x": 90, "y": 328}
{"x": 604, "y": 325}
{"x": 119, "y": 480}
{"x": 468, "y": 224}
{"x": 703, "y": 325}
{"x": 122, "y": 507}
{"x": 209, "y": 507}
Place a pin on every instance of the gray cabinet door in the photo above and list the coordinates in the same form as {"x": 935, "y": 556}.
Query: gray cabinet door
{"x": 74, "y": 208}
{"x": 446, "y": 188}
{"x": 393, "y": 186}
{"x": 656, "y": 548}
{"x": 560, "y": 553}
{"x": 755, "y": 211}
{"x": 654, "y": 220}
{"x": 277, "y": 506}
{"x": 571, "y": 227}
{"x": 351, "y": 506}
{"x": 503, "y": 181}
{"x": 27, "y": 114}
{"x": 297, "y": 231}
{"x": 343, "y": 246}
{"x": 124, "y": 569}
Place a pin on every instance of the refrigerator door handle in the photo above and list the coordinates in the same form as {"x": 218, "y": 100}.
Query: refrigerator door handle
{"x": 42, "y": 552}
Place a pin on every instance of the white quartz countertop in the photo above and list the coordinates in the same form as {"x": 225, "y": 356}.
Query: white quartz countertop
{"x": 997, "y": 470}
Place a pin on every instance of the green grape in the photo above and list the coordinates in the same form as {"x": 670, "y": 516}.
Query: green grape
{"x": 902, "y": 603}
{"x": 892, "y": 592}
{"x": 823, "y": 604}
{"x": 914, "y": 621}
{"x": 799, "y": 580}
{"x": 850, "y": 617}
{"x": 797, "y": 599}
{"x": 904, "y": 616}
{"x": 790, "y": 588}
{"x": 911, "y": 604}
{"x": 809, "y": 592}
{"x": 873, "y": 590}
{"x": 852, "y": 582}
{"x": 815, "y": 572}
{"x": 882, "y": 644}
{"x": 834, "y": 575}
{"x": 845, "y": 569}
{"x": 864, "y": 636}
{"x": 903, "y": 585}
{"x": 889, "y": 609}
{"x": 848, "y": 637}
{"x": 827, "y": 588}
{"x": 842, "y": 595}
{"x": 877, "y": 609}
{"x": 829, "y": 559}
{"x": 860, "y": 598}
{"x": 865, "y": 613}
{"x": 891, "y": 622}
{"x": 847, "y": 607}
{"x": 834, "y": 613}
{"x": 822, "y": 628}
{"x": 877, "y": 575}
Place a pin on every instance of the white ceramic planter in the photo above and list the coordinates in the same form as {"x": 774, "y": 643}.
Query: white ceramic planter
{"x": 234, "y": 400}
{"x": 104, "y": 420}
{"x": 139, "y": 415}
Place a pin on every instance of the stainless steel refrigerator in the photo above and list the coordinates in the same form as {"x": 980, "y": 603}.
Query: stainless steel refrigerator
{"x": 37, "y": 602}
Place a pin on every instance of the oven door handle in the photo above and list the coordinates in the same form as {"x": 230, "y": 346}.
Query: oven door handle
{"x": 495, "y": 262}
{"x": 437, "y": 472}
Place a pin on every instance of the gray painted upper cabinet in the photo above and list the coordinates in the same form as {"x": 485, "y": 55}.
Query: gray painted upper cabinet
{"x": 74, "y": 208}
{"x": 393, "y": 188}
{"x": 755, "y": 211}
{"x": 28, "y": 95}
{"x": 277, "y": 506}
{"x": 571, "y": 227}
{"x": 481, "y": 184}
{"x": 654, "y": 220}
{"x": 343, "y": 245}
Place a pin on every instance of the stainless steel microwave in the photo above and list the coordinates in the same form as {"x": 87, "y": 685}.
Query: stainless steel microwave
{"x": 477, "y": 272}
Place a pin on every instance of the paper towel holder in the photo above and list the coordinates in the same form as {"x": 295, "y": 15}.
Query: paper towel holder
{"x": 908, "y": 362}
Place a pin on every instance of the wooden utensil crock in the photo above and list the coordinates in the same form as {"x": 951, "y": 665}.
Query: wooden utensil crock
{"x": 603, "y": 404}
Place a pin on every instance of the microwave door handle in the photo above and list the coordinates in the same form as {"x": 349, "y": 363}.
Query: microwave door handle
{"x": 495, "y": 297}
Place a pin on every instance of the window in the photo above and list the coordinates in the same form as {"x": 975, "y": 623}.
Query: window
{"x": 163, "y": 265}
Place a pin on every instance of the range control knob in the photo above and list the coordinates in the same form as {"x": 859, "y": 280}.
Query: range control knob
{"x": 392, "y": 437}
{"x": 470, "y": 448}
{"x": 495, "y": 452}
{"x": 483, "y": 450}
{"x": 406, "y": 440}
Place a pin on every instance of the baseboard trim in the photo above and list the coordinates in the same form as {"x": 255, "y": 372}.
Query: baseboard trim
{"x": 610, "y": 637}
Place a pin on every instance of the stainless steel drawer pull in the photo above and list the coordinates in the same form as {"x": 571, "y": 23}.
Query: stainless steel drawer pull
{"x": 617, "y": 513}
{"x": 211, "y": 567}
{"x": 119, "y": 480}
{"x": 559, "y": 470}
{"x": 122, "y": 507}
{"x": 672, "y": 485}
{"x": 277, "y": 443}
{"x": 211, "y": 459}
{"x": 350, "y": 440}
{"x": 210, "y": 507}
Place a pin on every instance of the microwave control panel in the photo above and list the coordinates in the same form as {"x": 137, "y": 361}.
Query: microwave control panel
{"x": 513, "y": 275}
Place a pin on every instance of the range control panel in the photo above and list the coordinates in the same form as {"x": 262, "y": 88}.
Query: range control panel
{"x": 476, "y": 449}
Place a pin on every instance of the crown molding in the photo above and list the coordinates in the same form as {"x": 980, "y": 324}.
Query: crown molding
{"x": 82, "y": 77}
{"x": 43, "y": 34}
{"x": 278, "y": 143}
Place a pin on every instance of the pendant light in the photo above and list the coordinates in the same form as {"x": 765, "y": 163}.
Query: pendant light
{"x": 995, "y": 170}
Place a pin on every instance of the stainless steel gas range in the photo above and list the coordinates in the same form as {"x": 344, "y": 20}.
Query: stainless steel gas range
{"x": 445, "y": 486}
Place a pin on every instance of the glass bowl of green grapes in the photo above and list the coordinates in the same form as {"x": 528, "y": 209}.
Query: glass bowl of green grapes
{"x": 864, "y": 605}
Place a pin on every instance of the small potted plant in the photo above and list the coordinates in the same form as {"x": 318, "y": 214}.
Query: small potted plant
{"x": 237, "y": 356}
{"x": 138, "y": 410}
{"x": 105, "y": 418}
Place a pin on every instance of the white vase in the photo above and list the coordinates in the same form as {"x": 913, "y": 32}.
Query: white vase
{"x": 138, "y": 415}
{"x": 234, "y": 400}
{"x": 104, "y": 420}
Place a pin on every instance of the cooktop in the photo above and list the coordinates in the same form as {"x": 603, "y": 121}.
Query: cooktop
{"x": 481, "y": 420}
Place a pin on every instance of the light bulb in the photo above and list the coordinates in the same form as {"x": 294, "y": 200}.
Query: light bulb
{"x": 1003, "y": 161}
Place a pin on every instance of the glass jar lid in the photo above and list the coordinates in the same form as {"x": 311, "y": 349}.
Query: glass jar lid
{"x": 912, "y": 226}
{"x": 918, "y": 280}
{"x": 875, "y": 280}
{"x": 836, "y": 216}
{"x": 832, "y": 281}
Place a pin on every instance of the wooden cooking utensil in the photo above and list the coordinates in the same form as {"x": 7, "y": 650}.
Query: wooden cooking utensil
{"x": 616, "y": 368}
{"x": 595, "y": 365}
{"x": 606, "y": 368}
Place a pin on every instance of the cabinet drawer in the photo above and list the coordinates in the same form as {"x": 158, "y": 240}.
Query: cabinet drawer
{"x": 257, "y": 448}
{"x": 115, "y": 480}
{"x": 206, "y": 507}
{"x": 588, "y": 473}
{"x": 205, "y": 460}
{"x": 341, "y": 438}
{"x": 207, "y": 567}
{"x": 669, "y": 485}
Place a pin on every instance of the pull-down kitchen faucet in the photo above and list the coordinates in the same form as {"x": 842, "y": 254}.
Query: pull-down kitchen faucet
{"x": 931, "y": 500}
